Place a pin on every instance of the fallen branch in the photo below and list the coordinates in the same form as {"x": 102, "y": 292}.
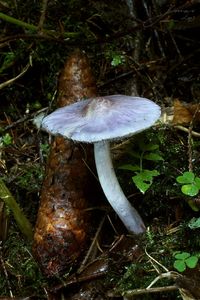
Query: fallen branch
{"x": 187, "y": 130}
{"x": 144, "y": 291}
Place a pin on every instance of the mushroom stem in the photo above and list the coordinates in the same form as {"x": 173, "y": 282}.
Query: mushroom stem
{"x": 110, "y": 185}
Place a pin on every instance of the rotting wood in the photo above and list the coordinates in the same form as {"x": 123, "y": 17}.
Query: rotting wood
{"x": 62, "y": 225}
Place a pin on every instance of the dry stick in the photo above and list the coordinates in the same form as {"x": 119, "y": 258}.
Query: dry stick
{"x": 12, "y": 80}
{"x": 149, "y": 289}
{"x": 193, "y": 133}
{"x": 152, "y": 290}
{"x": 131, "y": 293}
{"x": 28, "y": 117}
{"x": 85, "y": 261}
{"x": 167, "y": 117}
{"x": 157, "y": 262}
{"x": 169, "y": 275}
{"x": 22, "y": 222}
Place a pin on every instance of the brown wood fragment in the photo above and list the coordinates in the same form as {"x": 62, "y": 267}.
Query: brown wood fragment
{"x": 185, "y": 113}
{"x": 62, "y": 229}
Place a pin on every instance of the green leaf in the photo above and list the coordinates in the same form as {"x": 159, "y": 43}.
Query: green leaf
{"x": 117, "y": 60}
{"x": 190, "y": 190}
{"x": 152, "y": 156}
{"x": 182, "y": 255}
{"x": 143, "y": 180}
{"x": 187, "y": 177}
{"x": 194, "y": 223}
{"x": 130, "y": 167}
{"x": 179, "y": 265}
{"x": 147, "y": 147}
{"x": 149, "y": 174}
{"x": 191, "y": 261}
{"x": 151, "y": 147}
{"x": 193, "y": 206}
{"x": 197, "y": 182}
{"x": 140, "y": 184}
{"x": 7, "y": 139}
{"x": 134, "y": 154}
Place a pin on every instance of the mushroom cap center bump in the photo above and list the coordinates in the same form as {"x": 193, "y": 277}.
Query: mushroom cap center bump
{"x": 102, "y": 118}
{"x": 97, "y": 106}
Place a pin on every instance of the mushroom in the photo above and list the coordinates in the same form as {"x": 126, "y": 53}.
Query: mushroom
{"x": 100, "y": 120}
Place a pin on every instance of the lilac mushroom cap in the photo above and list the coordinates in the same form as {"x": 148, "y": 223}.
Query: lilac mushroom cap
{"x": 100, "y": 120}
{"x": 103, "y": 118}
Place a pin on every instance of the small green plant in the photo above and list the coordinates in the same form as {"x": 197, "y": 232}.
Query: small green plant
{"x": 114, "y": 56}
{"x": 143, "y": 178}
{"x": 190, "y": 183}
{"x": 45, "y": 148}
{"x": 6, "y": 140}
{"x": 184, "y": 260}
{"x": 194, "y": 223}
{"x": 117, "y": 59}
{"x": 190, "y": 187}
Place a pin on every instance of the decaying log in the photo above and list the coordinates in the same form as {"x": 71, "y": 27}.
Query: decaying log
{"x": 62, "y": 229}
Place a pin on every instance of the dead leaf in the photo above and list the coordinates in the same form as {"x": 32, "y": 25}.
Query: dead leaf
{"x": 185, "y": 113}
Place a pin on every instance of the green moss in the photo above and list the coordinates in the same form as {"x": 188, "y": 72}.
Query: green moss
{"x": 24, "y": 275}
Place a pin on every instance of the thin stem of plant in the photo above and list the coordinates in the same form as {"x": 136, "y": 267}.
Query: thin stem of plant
{"x": 34, "y": 28}
{"x": 19, "y": 216}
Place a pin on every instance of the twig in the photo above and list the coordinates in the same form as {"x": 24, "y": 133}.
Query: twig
{"x": 149, "y": 289}
{"x": 25, "y": 118}
{"x": 12, "y": 80}
{"x": 91, "y": 171}
{"x": 85, "y": 261}
{"x": 112, "y": 225}
{"x": 193, "y": 133}
{"x": 131, "y": 293}
{"x": 152, "y": 290}
{"x": 152, "y": 258}
{"x": 168, "y": 275}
